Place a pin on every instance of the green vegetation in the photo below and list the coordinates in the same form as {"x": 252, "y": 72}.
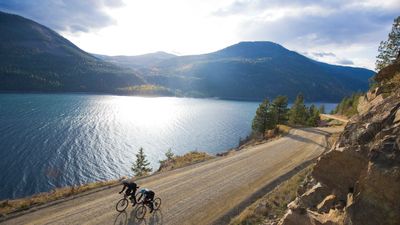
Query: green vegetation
{"x": 348, "y": 106}
{"x": 389, "y": 50}
{"x": 141, "y": 166}
{"x": 298, "y": 112}
{"x": 313, "y": 116}
{"x": 147, "y": 89}
{"x": 387, "y": 79}
{"x": 322, "y": 109}
{"x": 269, "y": 115}
{"x": 273, "y": 205}
{"x": 169, "y": 154}
{"x": 175, "y": 161}
{"x": 279, "y": 109}
{"x": 264, "y": 118}
{"x": 388, "y": 63}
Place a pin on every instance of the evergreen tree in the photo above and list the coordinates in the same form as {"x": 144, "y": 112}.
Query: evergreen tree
{"x": 348, "y": 105}
{"x": 313, "y": 116}
{"x": 141, "y": 166}
{"x": 280, "y": 109}
{"x": 298, "y": 112}
{"x": 264, "y": 119}
{"x": 259, "y": 122}
{"x": 389, "y": 50}
{"x": 322, "y": 109}
{"x": 169, "y": 154}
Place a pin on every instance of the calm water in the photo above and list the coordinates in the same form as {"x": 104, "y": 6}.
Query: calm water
{"x": 48, "y": 141}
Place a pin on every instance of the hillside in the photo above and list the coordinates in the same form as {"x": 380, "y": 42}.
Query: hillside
{"x": 35, "y": 58}
{"x": 137, "y": 61}
{"x": 358, "y": 180}
{"x": 255, "y": 70}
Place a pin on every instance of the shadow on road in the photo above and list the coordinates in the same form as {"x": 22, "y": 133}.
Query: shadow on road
{"x": 316, "y": 131}
{"x": 303, "y": 139}
{"x": 155, "y": 218}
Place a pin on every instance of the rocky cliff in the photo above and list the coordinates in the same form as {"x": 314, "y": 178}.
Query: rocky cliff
{"x": 358, "y": 181}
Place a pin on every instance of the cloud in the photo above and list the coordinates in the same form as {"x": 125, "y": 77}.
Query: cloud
{"x": 64, "y": 15}
{"x": 341, "y": 27}
{"x": 323, "y": 54}
{"x": 345, "y": 62}
{"x": 328, "y": 57}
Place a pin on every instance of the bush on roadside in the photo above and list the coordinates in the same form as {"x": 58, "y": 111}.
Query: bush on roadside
{"x": 177, "y": 161}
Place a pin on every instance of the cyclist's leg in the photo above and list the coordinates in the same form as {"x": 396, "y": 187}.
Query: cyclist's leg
{"x": 129, "y": 193}
{"x": 151, "y": 201}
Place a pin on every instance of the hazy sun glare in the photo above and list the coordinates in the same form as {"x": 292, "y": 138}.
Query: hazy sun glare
{"x": 145, "y": 112}
{"x": 185, "y": 26}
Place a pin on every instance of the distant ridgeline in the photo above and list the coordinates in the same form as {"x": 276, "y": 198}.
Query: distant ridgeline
{"x": 35, "y": 58}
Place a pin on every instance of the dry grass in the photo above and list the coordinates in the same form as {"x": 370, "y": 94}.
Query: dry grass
{"x": 273, "y": 205}
{"x": 184, "y": 160}
{"x": 9, "y": 206}
{"x": 283, "y": 129}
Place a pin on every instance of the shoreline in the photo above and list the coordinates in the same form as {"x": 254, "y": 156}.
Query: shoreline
{"x": 239, "y": 99}
{"x": 31, "y": 201}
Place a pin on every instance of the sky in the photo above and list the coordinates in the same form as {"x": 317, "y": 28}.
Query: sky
{"x": 344, "y": 32}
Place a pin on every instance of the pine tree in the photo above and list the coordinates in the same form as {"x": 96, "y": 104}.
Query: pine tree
{"x": 280, "y": 109}
{"x": 322, "y": 109}
{"x": 389, "y": 50}
{"x": 141, "y": 166}
{"x": 298, "y": 112}
{"x": 313, "y": 116}
{"x": 259, "y": 124}
{"x": 169, "y": 154}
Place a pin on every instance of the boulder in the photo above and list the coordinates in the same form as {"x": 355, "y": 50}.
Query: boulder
{"x": 311, "y": 198}
{"x": 328, "y": 203}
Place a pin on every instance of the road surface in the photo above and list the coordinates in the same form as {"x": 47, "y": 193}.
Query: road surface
{"x": 199, "y": 194}
{"x": 336, "y": 117}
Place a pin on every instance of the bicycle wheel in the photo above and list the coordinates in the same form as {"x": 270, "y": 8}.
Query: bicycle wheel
{"x": 121, "y": 205}
{"x": 140, "y": 212}
{"x": 137, "y": 197}
{"x": 157, "y": 203}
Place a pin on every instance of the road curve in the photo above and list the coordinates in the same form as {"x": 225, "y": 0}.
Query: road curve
{"x": 336, "y": 117}
{"x": 198, "y": 194}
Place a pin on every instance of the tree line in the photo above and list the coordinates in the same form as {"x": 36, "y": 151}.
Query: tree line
{"x": 271, "y": 113}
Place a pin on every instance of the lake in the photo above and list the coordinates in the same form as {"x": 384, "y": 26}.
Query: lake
{"x": 55, "y": 140}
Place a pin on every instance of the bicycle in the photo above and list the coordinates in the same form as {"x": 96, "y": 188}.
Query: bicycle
{"x": 123, "y": 203}
{"x": 141, "y": 209}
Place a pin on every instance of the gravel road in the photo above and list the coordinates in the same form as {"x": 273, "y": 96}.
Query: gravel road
{"x": 203, "y": 193}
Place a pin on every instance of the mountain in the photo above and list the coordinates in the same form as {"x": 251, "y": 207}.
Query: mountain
{"x": 35, "y": 58}
{"x": 137, "y": 61}
{"x": 254, "y": 70}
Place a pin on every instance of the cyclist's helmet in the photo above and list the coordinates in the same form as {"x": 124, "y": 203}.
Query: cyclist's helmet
{"x": 143, "y": 190}
{"x": 125, "y": 181}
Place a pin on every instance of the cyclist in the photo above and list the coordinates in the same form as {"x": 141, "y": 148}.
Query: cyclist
{"x": 148, "y": 197}
{"x": 131, "y": 188}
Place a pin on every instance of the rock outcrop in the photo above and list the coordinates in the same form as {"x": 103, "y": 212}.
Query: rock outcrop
{"x": 358, "y": 181}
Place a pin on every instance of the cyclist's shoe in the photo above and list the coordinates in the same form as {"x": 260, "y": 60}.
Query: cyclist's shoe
{"x": 151, "y": 207}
